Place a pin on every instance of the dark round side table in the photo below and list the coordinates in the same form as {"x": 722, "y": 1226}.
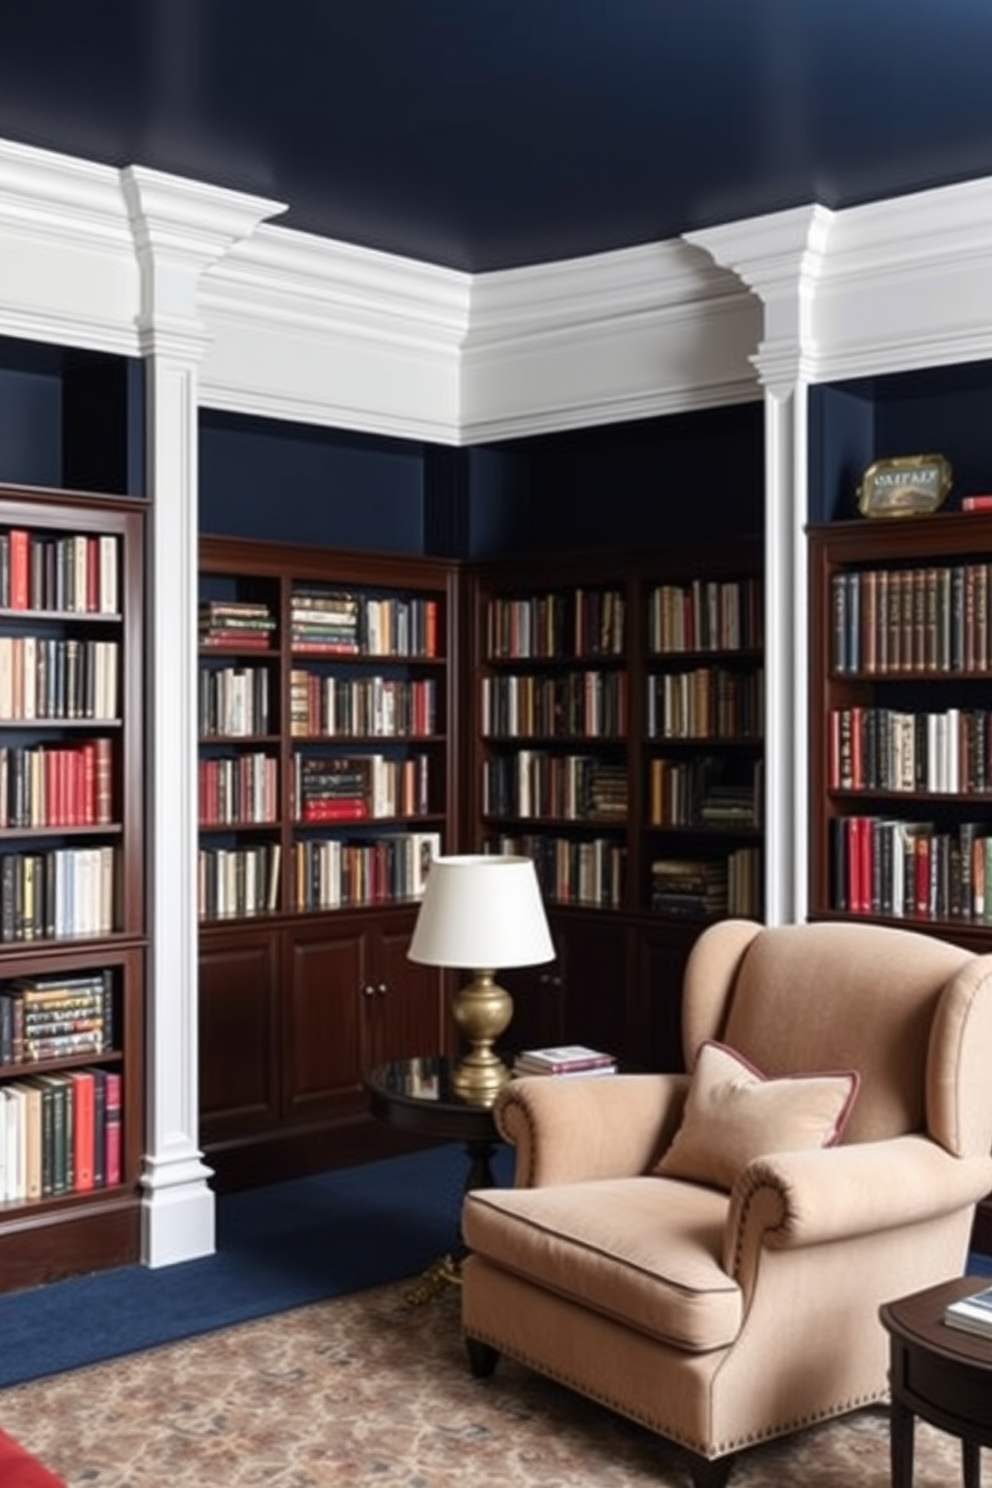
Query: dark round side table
{"x": 416, "y": 1094}
{"x": 940, "y": 1374}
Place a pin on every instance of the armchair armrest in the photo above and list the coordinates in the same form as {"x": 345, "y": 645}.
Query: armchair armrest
{"x": 790, "y": 1199}
{"x": 569, "y": 1129}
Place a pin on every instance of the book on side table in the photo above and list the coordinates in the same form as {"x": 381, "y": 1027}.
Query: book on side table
{"x": 973, "y": 1314}
{"x": 564, "y": 1059}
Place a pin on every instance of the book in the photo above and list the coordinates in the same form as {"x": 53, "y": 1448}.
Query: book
{"x": 973, "y": 1313}
{"x": 564, "y": 1059}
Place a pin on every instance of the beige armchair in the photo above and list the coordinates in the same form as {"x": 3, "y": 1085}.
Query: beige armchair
{"x": 733, "y": 1297}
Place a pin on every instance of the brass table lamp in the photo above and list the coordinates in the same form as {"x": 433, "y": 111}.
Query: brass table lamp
{"x": 481, "y": 912}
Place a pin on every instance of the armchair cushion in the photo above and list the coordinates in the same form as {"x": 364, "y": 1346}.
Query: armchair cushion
{"x": 733, "y": 1114}
{"x": 648, "y": 1251}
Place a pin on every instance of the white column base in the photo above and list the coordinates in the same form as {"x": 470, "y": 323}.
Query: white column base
{"x": 177, "y": 1213}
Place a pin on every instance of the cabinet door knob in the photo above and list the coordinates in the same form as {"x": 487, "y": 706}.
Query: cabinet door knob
{"x": 368, "y": 990}
{"x": 381, "y": 989}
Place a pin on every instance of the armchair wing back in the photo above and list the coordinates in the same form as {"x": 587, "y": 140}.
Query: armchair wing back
{"x": 724, "y": 1316}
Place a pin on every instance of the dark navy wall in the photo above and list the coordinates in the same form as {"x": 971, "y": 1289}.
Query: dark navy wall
{"x": 71, "y": 419}
{"x": 270, "y": 479}
{"x": 684, "y": 476}
{"x": 944, "y": 410}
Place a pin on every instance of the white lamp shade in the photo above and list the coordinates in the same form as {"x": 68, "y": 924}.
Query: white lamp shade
{"x": 483, "y": 912}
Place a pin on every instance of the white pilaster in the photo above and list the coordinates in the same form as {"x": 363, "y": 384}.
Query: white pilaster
{"x": 179, "y": 228}
{"x": 781, "y": 257}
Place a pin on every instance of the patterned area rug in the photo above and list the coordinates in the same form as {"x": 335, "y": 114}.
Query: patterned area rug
{"x": 371, "y": 1389}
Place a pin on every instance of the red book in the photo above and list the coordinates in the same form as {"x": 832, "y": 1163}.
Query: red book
{"x": 922, "y": 857}
{"x": 112, "y": 1163}
{"x": 83, "y": 1130}
{"x": 20, "y": 565}
{"x": 334, "y": 810}
{"x": 103, "y": 781}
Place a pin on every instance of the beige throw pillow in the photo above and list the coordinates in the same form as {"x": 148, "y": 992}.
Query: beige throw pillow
{"x": 733, "y": 1113}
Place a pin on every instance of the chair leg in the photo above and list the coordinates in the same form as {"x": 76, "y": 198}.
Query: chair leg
{"x": 482, "y": 1357}
{"x": 706, "y": 1474}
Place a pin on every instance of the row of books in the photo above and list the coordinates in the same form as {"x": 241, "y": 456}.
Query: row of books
{"x": 57, "y": 786}
{"x": 361, "y": 707}
{"x": 946, "y": 752}
{"x": 60, "y": 1133}
{"x": 237, "y": 882}
{"x": 58, "y": 894}
{"x": 706, "y": 703}
{"x": 54, "y": 1017}
{"x": 565, "y": 1059}
{"x": 233, "y": 701}
{"x": 910, "y": 869}
{"x": 591, "y": 872}
{"x": 558, "y": 787}
{"x": 687, "y": 888}
{"x": 589, "y": 704}
{"x": 241, "y": 624}
{"x": 691, "y": 793}
{"x": 705, "y": 615}
{"x": 575, "y": 623}
{"x": 337, "y": 622}
{"x": 72, "y": 574}
{"x": 239, "y": 788}
{"x": 933, "y": 618}
{"x": 359, "y": 787}
{"x": 329, "y": 873}
{"x": 58, "y": 678}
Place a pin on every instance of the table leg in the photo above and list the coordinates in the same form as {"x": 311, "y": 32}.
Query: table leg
{"x": 480, "y": 1169}
{"x": 971, "y": 1466}
{"x": 901, "y": 1425}
{"x": 448, "y": 1270}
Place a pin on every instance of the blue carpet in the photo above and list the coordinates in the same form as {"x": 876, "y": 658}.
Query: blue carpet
{"x": 278, "y": 1247}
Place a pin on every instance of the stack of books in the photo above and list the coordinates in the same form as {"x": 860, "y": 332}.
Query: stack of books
{"x": 565, "y": 1059}
{"x": 324, "y": 621}
{"x": 972, "y": 1314}
{"x": 239, "y": 623}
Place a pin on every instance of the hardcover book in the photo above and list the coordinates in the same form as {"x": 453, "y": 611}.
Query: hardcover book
{"x": 972, "y": 1314}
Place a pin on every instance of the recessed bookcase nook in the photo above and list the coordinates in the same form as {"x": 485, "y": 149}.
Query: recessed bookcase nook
{"x": 900, "y": 666}
{"x": 72, "y": 912}
{"x": 296, "y": 1003}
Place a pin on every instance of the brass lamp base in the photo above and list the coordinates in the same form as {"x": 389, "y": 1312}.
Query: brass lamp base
{"x": 482, "y": 1011}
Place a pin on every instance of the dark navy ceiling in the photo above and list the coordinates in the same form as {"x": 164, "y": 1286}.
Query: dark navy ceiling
{"x": 486, "y": 134}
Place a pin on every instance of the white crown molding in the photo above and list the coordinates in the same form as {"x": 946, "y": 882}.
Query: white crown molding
{"x": 180, "y": 228}
{"x": 889, "y": 286}
{"x": 630, "y": 334}
{"x": 319, "y": 332}
{"x": 68, "y": 275}
{"x": 403, "y": 348}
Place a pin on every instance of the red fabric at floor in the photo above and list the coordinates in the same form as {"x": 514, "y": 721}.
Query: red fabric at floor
{"x": 18, "y": 1469}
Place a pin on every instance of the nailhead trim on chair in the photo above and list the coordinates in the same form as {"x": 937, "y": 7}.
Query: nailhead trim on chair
{"x": 721, "y": 1449}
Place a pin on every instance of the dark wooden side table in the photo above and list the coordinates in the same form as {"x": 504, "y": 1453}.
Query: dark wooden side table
{"x": 940, "y": 1374}
{"x": 416, "y": 1094}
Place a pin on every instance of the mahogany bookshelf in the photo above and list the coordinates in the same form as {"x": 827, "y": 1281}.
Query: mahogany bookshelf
{"x": 618, "y": 710}
{"x": 328, "y": 779}
{"x": 72, "y": 901}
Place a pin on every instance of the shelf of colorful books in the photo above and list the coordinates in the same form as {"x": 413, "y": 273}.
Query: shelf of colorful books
{"x": 901, "y": 655}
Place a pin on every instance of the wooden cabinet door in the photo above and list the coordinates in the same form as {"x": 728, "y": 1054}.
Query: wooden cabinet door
{"x": 538, "y": 1006}
{"x": 660, "y": 957}
{"x": 327, "y": 970}
{"x": 238, "y": 1031}
{"x": 406, "y": 1006}
{"x": 594, "y": 959}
